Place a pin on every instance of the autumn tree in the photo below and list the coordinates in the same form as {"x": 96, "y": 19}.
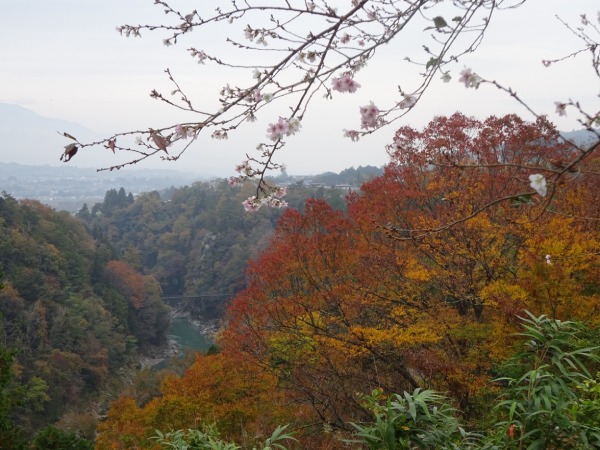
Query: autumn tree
{"x": 406, "y": 293}
{"x": 295, "y": 298}
{"x": 148, "y": 319}
{"x": 540, "y": 404}
{"x": 495, "y": 157}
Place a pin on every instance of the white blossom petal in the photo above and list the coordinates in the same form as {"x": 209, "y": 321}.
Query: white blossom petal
{"x": 538, "y": 183}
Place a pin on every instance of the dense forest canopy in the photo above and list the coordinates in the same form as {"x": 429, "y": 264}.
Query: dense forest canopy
{"x": 196, "y": 240}
{"x": 416, "y": 284}
{"x": 71, "y": 316}
{"x": 412, "y": 285}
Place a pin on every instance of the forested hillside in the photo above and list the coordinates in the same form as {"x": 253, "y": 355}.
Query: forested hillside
{"x": 195, "y": 240}
{"x": 349, "y": 177}
{"x": 71, "y": 317}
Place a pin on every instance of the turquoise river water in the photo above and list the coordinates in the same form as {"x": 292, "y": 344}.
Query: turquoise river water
{"x": 188, "y": 336}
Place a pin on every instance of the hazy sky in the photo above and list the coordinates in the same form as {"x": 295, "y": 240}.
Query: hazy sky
{"x": 63, "y": 59}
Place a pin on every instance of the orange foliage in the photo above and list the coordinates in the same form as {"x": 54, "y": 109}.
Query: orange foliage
{"x": 128, "y": 280}
{"x": 560, "y": 270}
{"x": 228, "y": 392}
{"x": 124, "y": 428}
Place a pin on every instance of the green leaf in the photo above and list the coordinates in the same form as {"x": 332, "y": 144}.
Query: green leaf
{"x": 432, "y": 62}
{"x": 511, "y": 412}
{"x": 440, "y": 22}
{"x": 519, "y": 200}
{"x": 412, "y": 410}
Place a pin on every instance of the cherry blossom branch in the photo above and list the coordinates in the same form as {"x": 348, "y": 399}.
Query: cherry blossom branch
{"x": 342, "y": 47}
{"x": 294, "y": 66}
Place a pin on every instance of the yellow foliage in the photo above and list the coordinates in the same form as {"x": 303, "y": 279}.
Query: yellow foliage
{"x": 236, "y": 396}
{"x": 124, "y": 428}
{"x": 561, "y": 270}
{"x": 502, "y": 291}
{"x": 416, "y": 271}
{"x": 398, "y": 337}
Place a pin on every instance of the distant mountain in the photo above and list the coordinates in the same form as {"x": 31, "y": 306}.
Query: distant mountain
{"x": 31, "y": 139}
{"x": 28, "y": 138}
{"x": 580, "y": 137}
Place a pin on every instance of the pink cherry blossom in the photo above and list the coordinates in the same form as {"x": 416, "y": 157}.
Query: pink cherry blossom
{"x": 251, "y": 204}
{"x": 244, "y": 168}
{"x": 345, "y": 83}
{"x": 182, "y": 132}
{"x": 368, "y": 116}
{"x": 469, "y": 78}
{"x": 283, "y": 127}
{"x": 278, "y": 130}
{"x": 257, "y": 95}
{"x": 198, "y": 54}
{"x": 408, "y": 101}
{"x": 280, "y": 192}
{"x": 561, "y": 108}
{"x": 352, "y": 134}
{"x": 276, "y": 203}
{"x": 465, "y": 77}
{"x": 220, "y": 134}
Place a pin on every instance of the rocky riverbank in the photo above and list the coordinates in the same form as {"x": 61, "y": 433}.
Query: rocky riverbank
{"x": 205, "y": 330}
